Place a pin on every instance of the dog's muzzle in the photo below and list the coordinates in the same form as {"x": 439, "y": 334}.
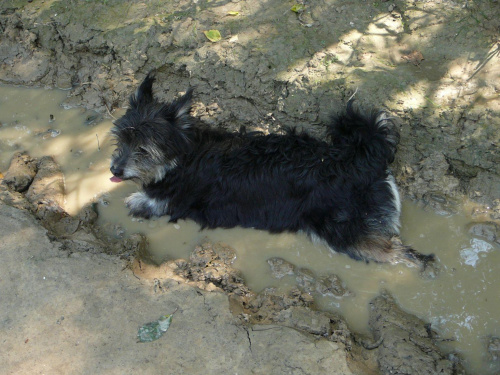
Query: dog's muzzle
{"x": 116, "y": 173}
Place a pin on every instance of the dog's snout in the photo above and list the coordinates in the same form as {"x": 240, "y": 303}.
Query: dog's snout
{"x": 116, "y": 170}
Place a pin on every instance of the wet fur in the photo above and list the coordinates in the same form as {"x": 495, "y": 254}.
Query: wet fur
{"x": 339, "y": 190}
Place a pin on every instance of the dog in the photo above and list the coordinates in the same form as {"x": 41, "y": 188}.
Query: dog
{"x": 338, "y": 190}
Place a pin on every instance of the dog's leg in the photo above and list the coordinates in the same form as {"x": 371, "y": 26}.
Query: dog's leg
{"x": 382, "y": 250}
{"x": 427, "y": 264}
{"x": 141, "y": 205}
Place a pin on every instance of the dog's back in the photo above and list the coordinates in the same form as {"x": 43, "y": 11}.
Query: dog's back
{"x": 338, "y": 190}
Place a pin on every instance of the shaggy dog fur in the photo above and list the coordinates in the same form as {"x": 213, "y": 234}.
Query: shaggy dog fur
{"x": 338, "y": 190}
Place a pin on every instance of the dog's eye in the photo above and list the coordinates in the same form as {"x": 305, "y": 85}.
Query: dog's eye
{"x": 143, "y": 150}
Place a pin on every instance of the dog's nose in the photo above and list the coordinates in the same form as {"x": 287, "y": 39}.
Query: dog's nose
{"x": 117, "y": 171}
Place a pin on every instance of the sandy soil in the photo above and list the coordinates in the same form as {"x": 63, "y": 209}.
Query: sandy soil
{"x": 79, "y": 313}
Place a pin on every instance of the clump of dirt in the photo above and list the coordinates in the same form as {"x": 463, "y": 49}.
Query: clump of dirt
{"x": 404, "y": 343}
{"x": 308, "y": 281}
{"x": 37, "y": 185}
{"x": 21, "y": 173}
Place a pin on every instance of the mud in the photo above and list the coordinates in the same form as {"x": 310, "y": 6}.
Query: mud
{"x": 76, "y": 313}
{"x": 406, "y": 345}
{"x": 433, "y": 64}
{"x": 210, "y": 268}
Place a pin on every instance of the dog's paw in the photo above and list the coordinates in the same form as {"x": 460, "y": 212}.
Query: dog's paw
{"x": 137, "y": 204}
{"x": 430, "y": 268}
{"x": 140, "y": 205}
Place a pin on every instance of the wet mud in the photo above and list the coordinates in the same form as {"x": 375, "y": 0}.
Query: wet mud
{"x": 432, "y": 64}
{"x": 210, "y": 268}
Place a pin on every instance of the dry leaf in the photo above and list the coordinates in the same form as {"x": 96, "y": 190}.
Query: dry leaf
{"x": 414, "y": 57}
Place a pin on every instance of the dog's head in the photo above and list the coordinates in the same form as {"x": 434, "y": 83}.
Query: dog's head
{"x": 151, "y": 136}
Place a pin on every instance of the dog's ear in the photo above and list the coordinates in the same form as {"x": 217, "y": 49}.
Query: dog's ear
{"x": 144, "y": 93}
{"x": 183, "y": 104}
{"x": 179, "y": 109}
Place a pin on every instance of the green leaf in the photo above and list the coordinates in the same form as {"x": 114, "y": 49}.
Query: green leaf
{"x": 298, "y": 8}
{"x": 154, "y": 330}
{"x": 213, "y": 35}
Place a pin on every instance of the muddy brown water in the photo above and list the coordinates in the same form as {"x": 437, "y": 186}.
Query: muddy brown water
{"x": 462, "y": 303}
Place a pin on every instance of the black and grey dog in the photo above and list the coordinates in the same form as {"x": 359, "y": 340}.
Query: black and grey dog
{"x": 339, "y": 190}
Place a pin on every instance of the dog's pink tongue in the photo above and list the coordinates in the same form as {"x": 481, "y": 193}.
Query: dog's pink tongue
{"x": 115, "y": 179}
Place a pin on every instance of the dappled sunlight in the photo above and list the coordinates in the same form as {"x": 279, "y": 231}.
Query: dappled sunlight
{"x": 82, "y": 188}
{"x": 382, "y": 27}
{"x": 271, "y": 68}
{"x": 83, "y": 150}
{"x": 414, "y": 99}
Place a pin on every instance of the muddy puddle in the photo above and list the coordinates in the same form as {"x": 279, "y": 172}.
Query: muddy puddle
{"x": 461, "y": 303}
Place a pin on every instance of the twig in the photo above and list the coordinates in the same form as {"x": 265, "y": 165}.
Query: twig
{"x": 109, "y": 112}
{"x": 371, "y": 346}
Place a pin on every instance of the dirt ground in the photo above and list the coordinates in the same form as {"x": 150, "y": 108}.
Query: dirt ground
{"x": 68, "y": 307}
{"x": 78, "y": 313}
{"x": 434, "y": 64}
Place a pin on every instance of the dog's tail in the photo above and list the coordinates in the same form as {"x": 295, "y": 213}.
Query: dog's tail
{"x": 366, "y": 140}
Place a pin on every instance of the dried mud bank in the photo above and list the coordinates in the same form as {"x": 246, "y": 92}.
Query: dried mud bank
{"x": 432, "y": 63}
{"x": 401, "y": 343}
